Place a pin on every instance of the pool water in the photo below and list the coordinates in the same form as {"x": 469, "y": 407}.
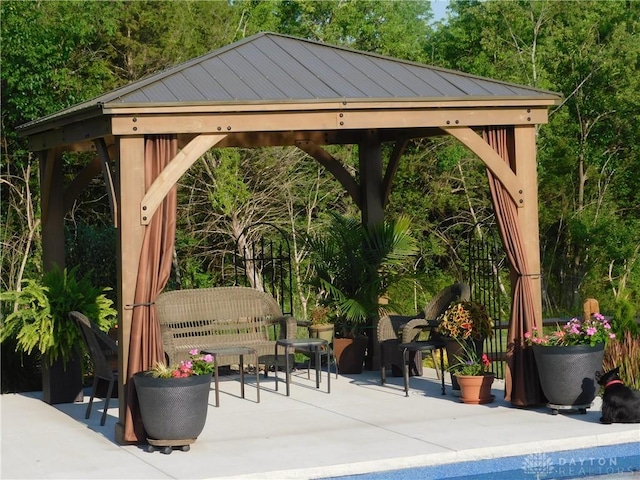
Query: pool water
{"x": 619, "y": 462}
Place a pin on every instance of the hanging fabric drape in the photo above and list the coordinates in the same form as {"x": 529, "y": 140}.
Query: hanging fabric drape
{"x": 145, "y": 347}
{"x": 522, "y": 387}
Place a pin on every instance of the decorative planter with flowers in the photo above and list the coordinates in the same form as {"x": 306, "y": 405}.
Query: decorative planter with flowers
{"x": 464, "y": 325}
{"x": 174, "y": 401}
{"x": 472, "y": 371}
{"x": 567, "y": 360}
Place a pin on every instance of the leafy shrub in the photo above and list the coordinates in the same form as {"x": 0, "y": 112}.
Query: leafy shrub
{"x": 40, "y": 320}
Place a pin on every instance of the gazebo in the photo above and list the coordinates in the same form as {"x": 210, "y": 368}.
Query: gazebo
{"x": 277, "y": 90}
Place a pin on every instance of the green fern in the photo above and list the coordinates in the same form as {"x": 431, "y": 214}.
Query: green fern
{"x": 40, "y": 317}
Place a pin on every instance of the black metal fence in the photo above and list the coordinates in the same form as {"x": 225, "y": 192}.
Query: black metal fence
{"x": 488, "y": 271}
{"x": 263, "y": 261}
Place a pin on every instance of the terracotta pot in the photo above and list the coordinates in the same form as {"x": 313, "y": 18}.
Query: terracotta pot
{"x": 453, "y": 349}
{"x": 476, "y": 389}
{"x": 350, "y": 353}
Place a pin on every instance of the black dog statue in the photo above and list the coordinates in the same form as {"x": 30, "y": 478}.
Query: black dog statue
{"x": 620, "y": 404}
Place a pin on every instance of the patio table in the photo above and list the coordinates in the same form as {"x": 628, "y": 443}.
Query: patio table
{"x": 317, "y": 346}
{"x": 241, "y": 352}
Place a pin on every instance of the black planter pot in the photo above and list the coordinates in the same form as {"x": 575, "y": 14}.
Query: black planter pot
{"x": 62, "y": 383}
{"x": 173, "y": 410}
{"x": 567, "y": 374}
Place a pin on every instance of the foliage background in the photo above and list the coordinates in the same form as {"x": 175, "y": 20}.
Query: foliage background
{"x": 58, "y": 53}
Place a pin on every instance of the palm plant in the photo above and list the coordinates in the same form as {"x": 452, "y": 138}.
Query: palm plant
{"x": 354, "y": 266}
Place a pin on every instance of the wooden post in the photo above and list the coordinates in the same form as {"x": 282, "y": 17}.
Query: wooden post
{"x": 370, "y": 164}
{"x": 129, "y": 192}
{"x": 61, "y": 382}
{"x": 52, "y": 207}
{"x": 371, "y": 195}
{"x": 525, "y": 167}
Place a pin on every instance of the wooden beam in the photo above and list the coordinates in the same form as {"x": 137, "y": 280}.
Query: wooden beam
{"x": 173, "y": 108}
{"x": 323, "y": 120}
{"x": 172, "y": 173}
{"x": 392, "y": 168}
{"x": 334, "y": 167}
{"x": 81, "y": 131}
{"x": 103, "y": 153}
{"x": 492, "y": 160}
{"x": 130, "y": 236}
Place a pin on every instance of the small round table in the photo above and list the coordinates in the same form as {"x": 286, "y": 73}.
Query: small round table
{"x": 317, "y": 346}
{"x": 241, "y": 352}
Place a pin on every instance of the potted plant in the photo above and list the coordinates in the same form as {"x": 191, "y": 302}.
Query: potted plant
{"x": 174, "y": 401}
{"x": 353, "y": 267}
{"x": 473, "y": 374}
{"x": 321, "y": 325}
{"x": 464, "y": 323}
{"x": 567, "y": 359}
{"x": 40, "y": 322}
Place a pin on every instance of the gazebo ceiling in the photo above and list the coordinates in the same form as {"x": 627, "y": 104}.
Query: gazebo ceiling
{"x": 278, "y": 85}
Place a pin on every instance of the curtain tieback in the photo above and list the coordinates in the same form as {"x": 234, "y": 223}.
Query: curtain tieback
{"x": 144, "y": 304}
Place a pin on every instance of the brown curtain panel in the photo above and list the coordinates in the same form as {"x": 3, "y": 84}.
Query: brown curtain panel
{"x": 522, "y": 386}
{"x": 145, "y": 348}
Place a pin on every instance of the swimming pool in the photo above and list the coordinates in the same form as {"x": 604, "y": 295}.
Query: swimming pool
{"x": 613, "y": 460}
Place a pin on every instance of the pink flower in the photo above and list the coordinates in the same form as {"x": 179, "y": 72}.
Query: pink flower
{"x": 194, "y": 351}
{"x": 527, "y": 335}
{"x": 208, "y": 358}
{"x": 612, "y": 335}
{"x": 591, "y": 331}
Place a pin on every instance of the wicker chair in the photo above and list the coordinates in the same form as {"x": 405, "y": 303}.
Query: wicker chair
{"x": 101, "y": 347}
{"x": 394, "y": 330}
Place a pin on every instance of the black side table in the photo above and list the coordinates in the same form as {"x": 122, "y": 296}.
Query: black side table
{"x": 241, "y": 352}
{"x": 317, "y": 346}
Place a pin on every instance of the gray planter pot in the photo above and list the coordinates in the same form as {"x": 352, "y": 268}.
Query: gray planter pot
{"x": 173, "y": 409}
{"x": 567, "y": 374}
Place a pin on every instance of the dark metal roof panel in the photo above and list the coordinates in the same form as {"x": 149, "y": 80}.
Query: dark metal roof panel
{"x": 338, "y": 85}
{"x": 183, "y": 89}
{"x": 388, "y": 78}
{"x": 254, "y": 77}
{"x": 233, "y": 84}
{"x": 276, "y": 73}
{"x": 206, "y": 84}
{"x": 308, "y": 80}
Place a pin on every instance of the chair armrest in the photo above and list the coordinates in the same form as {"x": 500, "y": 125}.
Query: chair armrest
{"x": 413, "y": 328}
{"x": 288, "y": 326}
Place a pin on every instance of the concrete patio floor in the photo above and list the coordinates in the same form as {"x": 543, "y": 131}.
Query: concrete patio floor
{"x": 361, "y": 427}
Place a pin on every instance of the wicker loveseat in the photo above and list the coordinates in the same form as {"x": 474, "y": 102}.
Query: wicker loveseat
{"x": 221, "y": 317}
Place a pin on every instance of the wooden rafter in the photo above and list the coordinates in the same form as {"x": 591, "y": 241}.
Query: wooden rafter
{"x": 172, "y": 173}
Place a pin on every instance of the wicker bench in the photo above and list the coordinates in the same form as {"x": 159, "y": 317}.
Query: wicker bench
{"x": 221, "y": 317}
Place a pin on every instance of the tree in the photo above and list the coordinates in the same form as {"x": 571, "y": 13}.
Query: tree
{"x": 587, "y": 51}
